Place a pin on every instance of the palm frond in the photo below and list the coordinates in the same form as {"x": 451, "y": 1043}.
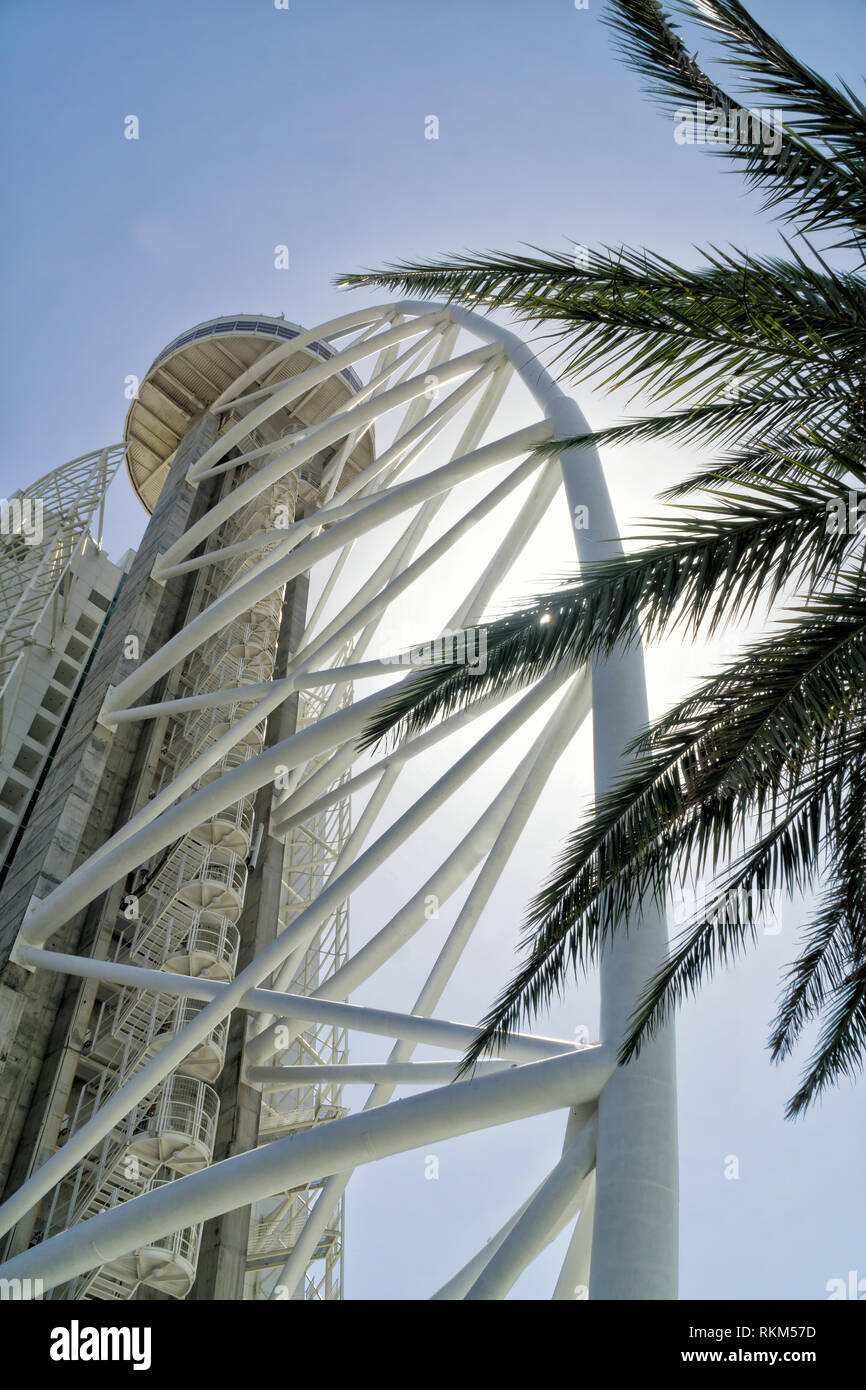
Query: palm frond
{"x": 715, "y": 565}
{"x": 758, "y": 774}
{"x": 818, "y": 188}
{"x": 761, "y": 751}
{"x": 763, "y": 415}
{"x": 826, "y": 978}
{"x": 842, "y": 1045}
{"x": 650, "y": 323}
{"x": 783, "y": 456}
{"x": 833, "y": 115}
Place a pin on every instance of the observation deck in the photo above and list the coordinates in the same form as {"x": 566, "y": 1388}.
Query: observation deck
{"x": 197, "y": 367}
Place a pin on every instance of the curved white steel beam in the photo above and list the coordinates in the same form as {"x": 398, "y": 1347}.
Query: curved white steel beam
{"x": 500, "y": 1098}
{"x": 544, "y": 1217}
{"x": 636, "y": 1113}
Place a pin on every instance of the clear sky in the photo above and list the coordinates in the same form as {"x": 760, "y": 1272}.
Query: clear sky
{"x": 261, "y": 127}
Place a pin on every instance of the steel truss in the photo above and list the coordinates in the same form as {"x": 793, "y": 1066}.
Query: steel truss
{"x": 617, "y": 1172}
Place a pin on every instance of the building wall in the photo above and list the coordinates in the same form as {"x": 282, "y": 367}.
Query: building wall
{"x": 87, "y": 795}
{"x": 53, "y": 669}
{"x": 97, "y": 781}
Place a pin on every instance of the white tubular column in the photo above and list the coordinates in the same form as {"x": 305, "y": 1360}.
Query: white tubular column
{"x": 514, "y": 1094}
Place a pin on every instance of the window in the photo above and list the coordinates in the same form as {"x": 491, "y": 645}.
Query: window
{"x": 27, "y": 761}
{"x": 54, "y": 700}
{"x": 99, "y": 600}
{"x": 76, "y": 650}
{"x": 65, "y": 674}
{"x": 13, "y": 793}
{"x": 41, "y": 730}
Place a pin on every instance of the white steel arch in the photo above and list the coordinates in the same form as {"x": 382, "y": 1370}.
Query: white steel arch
{"x": 618, "y": 1166}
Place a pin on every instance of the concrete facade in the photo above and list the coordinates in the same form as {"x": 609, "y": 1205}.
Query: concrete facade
{"x": 98, "y": 780}
{"x": 92, "y": 788}
{"x": 54, "y": 669}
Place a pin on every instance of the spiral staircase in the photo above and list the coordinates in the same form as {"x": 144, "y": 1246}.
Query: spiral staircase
{"x": 437, "y": 376}
{"x": 185, "y": 907}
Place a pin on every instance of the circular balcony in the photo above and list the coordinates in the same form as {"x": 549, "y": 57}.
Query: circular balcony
{"x": 210, "y": 951}
{"x": 217, "y": 723}
{"x": 168, "y": 1265}
{"x": 219, "y": 885}
{"x": 202, "y": 945}
{"x": 267, "y": 614}
{"x": 193, "y": 370}
{"x": 231, "y": 829}
{"x": 153, "y": 1266}
{"x": 206, "y": 1060}
{"x": 241, "y": 640}
{"x": 236, "y": 568}
{"x": 177, "y": 1125}
{"x": 271, "y": 510}
{"x": 199, "y": 723}
{"x": 236, "y": 757}
{"x": 247, "y": 641}
{"x": 215, "y": 669}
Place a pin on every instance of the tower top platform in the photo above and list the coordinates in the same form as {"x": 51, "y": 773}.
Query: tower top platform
{"x": 196, "y": 368}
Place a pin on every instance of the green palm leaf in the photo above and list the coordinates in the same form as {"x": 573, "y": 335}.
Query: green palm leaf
{"x": 758, "y": 777}
{"x": 715, "y": 565}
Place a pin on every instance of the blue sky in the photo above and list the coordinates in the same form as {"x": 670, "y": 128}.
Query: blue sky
{"x": 305, "y": 127}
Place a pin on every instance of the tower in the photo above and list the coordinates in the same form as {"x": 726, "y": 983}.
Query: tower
{"x": 179, "y": 911}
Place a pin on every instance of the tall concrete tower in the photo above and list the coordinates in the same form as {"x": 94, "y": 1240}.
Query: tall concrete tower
{"x": 215, "y": 896}
{"x": 174, "y": 924}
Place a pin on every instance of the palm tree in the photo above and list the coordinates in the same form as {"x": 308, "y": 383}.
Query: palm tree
{"x": 759, "y": 777}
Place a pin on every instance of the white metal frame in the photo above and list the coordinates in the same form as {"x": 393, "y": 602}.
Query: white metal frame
{"x": 70, "y": 499}
{"x": 618, "y": 1167}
